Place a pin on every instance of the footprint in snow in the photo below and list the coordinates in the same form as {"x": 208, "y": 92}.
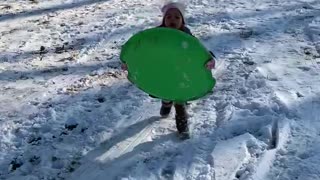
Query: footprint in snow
{"x": 304, "y": 68}
{"x": 168, "y": 171}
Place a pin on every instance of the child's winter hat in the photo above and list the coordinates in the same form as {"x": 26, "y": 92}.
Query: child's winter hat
{"x": 173, "y": 5}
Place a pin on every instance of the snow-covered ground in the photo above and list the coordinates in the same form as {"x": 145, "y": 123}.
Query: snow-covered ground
{"x": 68, "y": 112}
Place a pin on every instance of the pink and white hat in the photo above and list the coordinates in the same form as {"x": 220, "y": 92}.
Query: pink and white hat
{"x": 173, "y": 5}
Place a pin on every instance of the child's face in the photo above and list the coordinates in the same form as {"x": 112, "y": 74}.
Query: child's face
{"x": 173, "y": 19}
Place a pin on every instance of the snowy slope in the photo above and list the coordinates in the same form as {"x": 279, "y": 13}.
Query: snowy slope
{"x": 68, "y": 112}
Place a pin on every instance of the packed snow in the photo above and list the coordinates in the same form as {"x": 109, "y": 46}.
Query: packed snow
{"x": 67, "y": 110}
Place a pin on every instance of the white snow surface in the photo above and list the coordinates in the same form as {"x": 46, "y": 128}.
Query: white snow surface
{"x": 67, "y": 111}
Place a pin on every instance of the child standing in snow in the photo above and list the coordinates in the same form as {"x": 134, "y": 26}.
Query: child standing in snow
{"x": 173, "y": 17}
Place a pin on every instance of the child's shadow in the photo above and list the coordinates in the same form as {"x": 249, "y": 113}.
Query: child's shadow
{"x": 122, "y": 136}
{"x": 113, "y": 155}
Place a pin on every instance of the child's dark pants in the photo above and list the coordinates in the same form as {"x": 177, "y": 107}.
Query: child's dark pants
{"x": 181, "y": 114}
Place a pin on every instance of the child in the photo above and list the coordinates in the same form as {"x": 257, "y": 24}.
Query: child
{"x": 173, "y": 18}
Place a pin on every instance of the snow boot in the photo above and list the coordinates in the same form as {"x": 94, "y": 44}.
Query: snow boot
{"x": 182, "y": 120}
{"x": 165, "y": 109}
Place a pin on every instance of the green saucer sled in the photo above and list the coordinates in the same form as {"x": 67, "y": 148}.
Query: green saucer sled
{"x": 168, "y": 64}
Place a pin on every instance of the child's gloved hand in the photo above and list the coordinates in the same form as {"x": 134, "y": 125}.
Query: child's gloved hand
{"x": 211, "y": 64}
{"x": 124, "y": 66}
